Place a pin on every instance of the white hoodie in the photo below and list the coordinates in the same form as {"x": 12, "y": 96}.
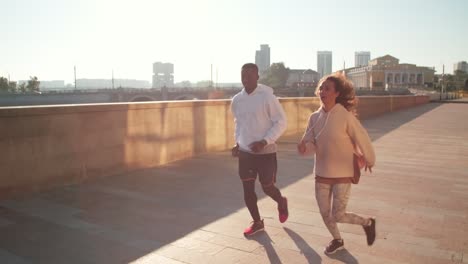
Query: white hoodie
{"x": 258, "y": 116}
{"x": 333, "y": 135}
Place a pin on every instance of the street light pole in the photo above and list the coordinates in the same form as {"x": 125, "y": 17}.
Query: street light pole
{"x": 443, "y": 79}
{"x": 74, "y": 68}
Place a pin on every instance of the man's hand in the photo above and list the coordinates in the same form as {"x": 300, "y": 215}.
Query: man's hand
{"x": 301, "y": 147}
{"x": 235, "y": 151}
{"x": 258, "y": 146}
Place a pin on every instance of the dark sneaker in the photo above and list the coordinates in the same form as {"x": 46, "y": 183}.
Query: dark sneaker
{"x": 283, "y": 211}
{"x": 370, "y": 232}
{"x": 254, "y": 228}
{"x": 335, "y": 245}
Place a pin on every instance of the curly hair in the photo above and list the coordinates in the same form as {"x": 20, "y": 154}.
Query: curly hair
{"x": 344, "y": 87}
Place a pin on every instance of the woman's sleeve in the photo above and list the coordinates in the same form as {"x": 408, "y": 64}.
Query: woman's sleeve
{"x": 308, "y": 133}
{"x": 360, "y": 137}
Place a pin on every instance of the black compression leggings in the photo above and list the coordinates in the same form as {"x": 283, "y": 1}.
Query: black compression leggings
{"x": 250, "y": 197}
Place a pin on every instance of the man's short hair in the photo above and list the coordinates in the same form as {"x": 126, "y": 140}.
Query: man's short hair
{"x": 250, "y": 66}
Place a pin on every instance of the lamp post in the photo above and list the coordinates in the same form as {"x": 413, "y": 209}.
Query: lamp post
{"x": 440, "y": 92}
{"x": 443, "y": 79}
{"x": 74, "y": 70}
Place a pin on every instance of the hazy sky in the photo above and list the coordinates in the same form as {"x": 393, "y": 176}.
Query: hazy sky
{"x": 47, "y": 38}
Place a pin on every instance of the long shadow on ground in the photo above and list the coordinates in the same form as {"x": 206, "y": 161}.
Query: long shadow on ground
{"x": 122, "y": 218}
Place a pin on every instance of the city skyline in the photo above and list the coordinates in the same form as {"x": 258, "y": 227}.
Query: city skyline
{"x": 48, "y": 38}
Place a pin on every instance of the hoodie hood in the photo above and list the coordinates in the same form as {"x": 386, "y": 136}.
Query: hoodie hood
{"x": 264, "y": 88}
{"x": 261, "y": 88}
{"x": 335, "y": 108}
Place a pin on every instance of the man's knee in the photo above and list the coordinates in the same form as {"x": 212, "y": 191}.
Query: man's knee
{"x": 268, "y": 189}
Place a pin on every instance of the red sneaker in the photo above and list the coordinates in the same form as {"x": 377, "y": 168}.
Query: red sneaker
{"x": 283, "y": 211}
{"x": 254, "y": 228}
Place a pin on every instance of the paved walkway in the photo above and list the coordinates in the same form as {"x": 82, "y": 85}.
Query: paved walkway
{"x": 192, "y": 211}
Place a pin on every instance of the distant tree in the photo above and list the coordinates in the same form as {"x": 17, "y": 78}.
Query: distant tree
{"x": 22, "y": 88}
{"x": 12, "y": 87}
{"x": 4, "y": 85}
{"x": 33, "y": 84}
{"x": 450, "y": 82}
{"x": 276, "y": 76}
{"x": 461, "y": 78}
{"x": 186, "y": 84}
{"x": 204, "y": 84}
{"x": 459, "y": 73}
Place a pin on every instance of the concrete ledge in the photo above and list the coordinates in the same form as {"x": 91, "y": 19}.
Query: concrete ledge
{"x": 14, "y": 111}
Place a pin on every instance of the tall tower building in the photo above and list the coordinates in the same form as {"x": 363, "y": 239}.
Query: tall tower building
{"x": 324, "y": 62}
{"x": 262, "y": 58}
{"x": 163, "y": 75}
{"x": 361, "y": 58}
{"x": 460, "y": 66}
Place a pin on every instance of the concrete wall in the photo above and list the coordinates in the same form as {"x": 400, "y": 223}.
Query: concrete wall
{"x": 46, "y": 146}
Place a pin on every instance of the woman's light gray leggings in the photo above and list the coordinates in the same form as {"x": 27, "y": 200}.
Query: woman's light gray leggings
{"x": 334, "y": 210}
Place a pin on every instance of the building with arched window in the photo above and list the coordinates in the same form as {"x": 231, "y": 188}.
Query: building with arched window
{"x": 386, "y": 72}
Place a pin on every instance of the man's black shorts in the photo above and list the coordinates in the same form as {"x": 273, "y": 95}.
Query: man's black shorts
{"x": 263, "y": 165}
